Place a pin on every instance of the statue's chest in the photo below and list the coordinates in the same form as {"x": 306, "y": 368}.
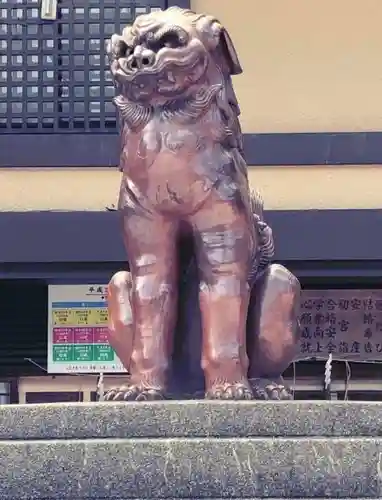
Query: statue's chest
{"x": 157, "y": 156}
{"x": 179, "y": 137}
{"x": 156, "y": 139}
{"x": 172, "y": 166}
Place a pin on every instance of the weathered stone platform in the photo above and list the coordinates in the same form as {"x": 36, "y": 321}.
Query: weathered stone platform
{"x": 191, "y": 450}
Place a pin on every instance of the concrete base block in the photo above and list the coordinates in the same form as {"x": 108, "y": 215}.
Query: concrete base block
{"x": 193, "y": 450}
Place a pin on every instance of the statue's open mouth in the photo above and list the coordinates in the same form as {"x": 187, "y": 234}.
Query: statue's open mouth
{"x": 165, "y": 77}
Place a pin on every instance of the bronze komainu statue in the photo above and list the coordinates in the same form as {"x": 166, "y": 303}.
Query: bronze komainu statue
{"x": 202, "y": 309}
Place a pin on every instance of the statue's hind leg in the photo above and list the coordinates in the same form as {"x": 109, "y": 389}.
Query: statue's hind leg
{"x": 272, "y": 331}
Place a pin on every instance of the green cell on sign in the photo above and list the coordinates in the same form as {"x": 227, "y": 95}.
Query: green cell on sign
{"x": 83, "y": 352}
{"x": 103, "y": 352}
{"x": 63, "y": 353}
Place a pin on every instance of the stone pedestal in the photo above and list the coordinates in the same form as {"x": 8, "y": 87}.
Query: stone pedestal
{"x": 191, "y": 449}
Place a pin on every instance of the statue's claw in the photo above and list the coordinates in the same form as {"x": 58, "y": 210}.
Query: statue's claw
{"x": 237, "y": 391}
{"x": 134, "y": 393}
{"x": 267, "y": 389}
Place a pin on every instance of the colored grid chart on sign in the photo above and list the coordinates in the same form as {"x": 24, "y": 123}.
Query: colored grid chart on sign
{"x": 80, "y": 333}
{"x": 78, "y": 330}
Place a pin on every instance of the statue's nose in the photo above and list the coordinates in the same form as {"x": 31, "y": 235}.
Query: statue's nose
{"x": 142, "y": 58}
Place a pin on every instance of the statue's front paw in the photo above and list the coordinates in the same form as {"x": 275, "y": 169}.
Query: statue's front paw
{"x": 134, "y": 393}
{"x": 271, "y": 390}
{"x": 236, "y": 391}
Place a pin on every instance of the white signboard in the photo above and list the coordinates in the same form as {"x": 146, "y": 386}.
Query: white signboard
{"x": 77, "y": 331}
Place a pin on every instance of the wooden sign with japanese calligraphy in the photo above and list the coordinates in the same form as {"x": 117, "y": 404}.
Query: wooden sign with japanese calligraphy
{"x": 346, "y": 323}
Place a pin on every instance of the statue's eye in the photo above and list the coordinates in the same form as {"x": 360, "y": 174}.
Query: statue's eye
{"x": 170, "y": 40}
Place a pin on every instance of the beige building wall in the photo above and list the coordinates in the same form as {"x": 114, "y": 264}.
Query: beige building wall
{"x": 309, "y": 65}
{"x": 283, "y": 188}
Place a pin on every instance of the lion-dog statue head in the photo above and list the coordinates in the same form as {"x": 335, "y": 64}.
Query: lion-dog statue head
{"x": 178, "y": 60}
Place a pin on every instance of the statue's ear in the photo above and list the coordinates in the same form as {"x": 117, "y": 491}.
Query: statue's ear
{"x": 216, "y": 37}
{"x": 228, "y": 49}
